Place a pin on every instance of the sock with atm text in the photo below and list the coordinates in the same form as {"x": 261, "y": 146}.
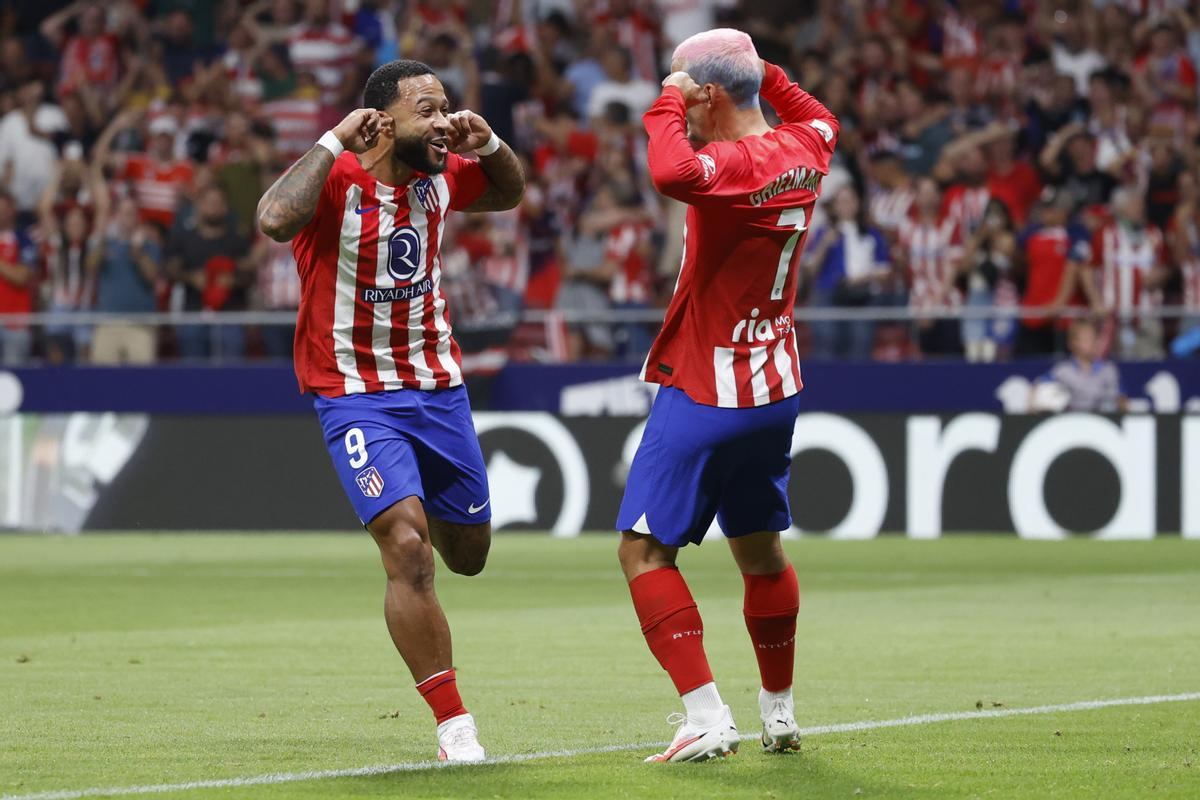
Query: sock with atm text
{"x": 772, "y": 603}
{"x": 440, "y": 691}
{"x": 672, "y": 626}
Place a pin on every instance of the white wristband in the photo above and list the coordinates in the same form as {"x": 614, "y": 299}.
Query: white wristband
{"x": 493, "y": 144}
{"x": 332, "y": 143}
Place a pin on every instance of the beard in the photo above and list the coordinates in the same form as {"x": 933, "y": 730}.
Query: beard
{"x": 413, "y": 151}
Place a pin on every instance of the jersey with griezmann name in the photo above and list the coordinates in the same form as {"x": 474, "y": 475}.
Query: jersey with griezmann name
{"x": 728, "y": 337}
{"x": 372, "y": 313}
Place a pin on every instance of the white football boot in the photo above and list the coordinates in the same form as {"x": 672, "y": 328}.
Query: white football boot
{"x": 780, "y": 732}
{"x": 700, "y": 742}
{"x": 458, "y": 741}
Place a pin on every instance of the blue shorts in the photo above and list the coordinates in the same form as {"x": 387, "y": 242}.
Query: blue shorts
{"x": 697, "y": 461}
{"x": 387, "y": 446}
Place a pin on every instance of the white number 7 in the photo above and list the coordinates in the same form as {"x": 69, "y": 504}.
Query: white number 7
{"x": 788, "y": 218}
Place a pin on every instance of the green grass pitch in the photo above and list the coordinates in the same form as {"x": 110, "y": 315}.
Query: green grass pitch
{"x": 146, "y": 660}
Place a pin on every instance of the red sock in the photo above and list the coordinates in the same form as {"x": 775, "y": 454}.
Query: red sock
{"x": 441, "y": 692}
{"x": 672, "y": 626}
{"x": 772, "y": 604}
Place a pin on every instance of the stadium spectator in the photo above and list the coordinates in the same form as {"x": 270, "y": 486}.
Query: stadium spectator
{"x": 28, "y": 154}
{"x": 1129, "y": 258}
{"x": 210, "y": 259}
{"x": 71, "y": 251}
{"x": 1071, "y": 52}
{"x": 892, "y": 191}
{"x": 278, "y": 290}
{"x": 17, "y": 254}
{"x": 242, "y": 159}
{"x": 1069, "y": 161}
{"x": 848, "y": 265}
{"x": 127, "y": 273}
{"x": 930, "y": 249}
{"x": 321, "y": 45}
{"x": 987, "y": 270}
{"x": 1054, "y": 252}
{"x": 156, "y": 176}
{"x": 1092, "y": 383}
{"x": 621, "y": 87}
{"x": 89, "y": 57}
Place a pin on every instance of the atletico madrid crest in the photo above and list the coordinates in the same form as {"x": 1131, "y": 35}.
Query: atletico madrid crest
{"x": 370, "y": 481}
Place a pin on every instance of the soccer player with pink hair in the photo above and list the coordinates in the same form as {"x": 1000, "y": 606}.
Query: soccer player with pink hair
{"x": 718, "y": 439}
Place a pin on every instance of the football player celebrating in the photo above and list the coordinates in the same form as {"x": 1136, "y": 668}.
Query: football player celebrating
{"x": 718, "y": 439}
{"x": 365, "y": 209}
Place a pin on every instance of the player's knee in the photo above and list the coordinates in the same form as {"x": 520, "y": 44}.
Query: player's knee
{"x": 637, "y": 555}
{"x": 406, "y": 556}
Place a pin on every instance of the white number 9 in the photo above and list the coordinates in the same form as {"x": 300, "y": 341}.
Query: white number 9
{"x": 356, "y": 447}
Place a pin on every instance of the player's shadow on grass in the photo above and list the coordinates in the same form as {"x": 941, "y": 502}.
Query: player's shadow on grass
{"x": 750, "y": 774}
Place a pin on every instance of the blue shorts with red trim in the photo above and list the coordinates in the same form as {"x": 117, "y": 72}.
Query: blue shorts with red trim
{"x": 696, "y": 462}
{"x": 387, "y": 446}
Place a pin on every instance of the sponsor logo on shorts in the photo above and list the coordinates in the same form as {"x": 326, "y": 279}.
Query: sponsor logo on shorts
{"x": 370, "y": 481}
{"x": 475, "y": 509}
{"x": 397, "y": 293}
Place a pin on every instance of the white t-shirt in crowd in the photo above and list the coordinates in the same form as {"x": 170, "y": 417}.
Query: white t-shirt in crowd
{"x": 638, "y": 95}
{"x": 1079, "y": 66}
{"x": 32, "y": 158}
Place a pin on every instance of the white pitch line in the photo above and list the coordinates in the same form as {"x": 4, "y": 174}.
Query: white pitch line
{"x": 416, "y": 766}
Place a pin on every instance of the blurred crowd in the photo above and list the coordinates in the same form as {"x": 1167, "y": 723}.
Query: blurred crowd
{"x": 1039, "y": 157}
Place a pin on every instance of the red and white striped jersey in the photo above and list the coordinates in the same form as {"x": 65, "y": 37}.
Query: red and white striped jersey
{"x": 964, "y": 206}
{"x": 373, "y": 316}
{"x": 933, "y": 252}
{"x": 157, "y": 186}
{"x": 1190, "y": 270}
{"x": 890, "y": 208}
{"x": 728, "y": 337}
{"x": 297, "y": 122}
{"x": 634, "y": 280}
{"x": 1125, "y": 259}
{"x": 327, "y": 52}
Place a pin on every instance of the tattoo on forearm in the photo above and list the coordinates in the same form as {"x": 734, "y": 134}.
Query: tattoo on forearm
{"x": 506, "y": 181}
{"x": 291, "y": 201}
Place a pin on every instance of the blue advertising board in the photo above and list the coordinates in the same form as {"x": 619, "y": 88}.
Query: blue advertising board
{"x": 582, "y": 389}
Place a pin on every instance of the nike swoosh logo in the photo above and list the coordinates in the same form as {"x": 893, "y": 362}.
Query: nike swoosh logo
{"x": 475, "y": 509}
{"x": 360, "y": 210}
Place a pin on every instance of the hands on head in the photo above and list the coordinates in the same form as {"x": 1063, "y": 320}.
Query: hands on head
{"x": 360, "y": 130}
{"x": 693, "y": 93}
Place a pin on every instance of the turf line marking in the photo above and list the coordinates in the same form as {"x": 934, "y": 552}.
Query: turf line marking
{"x": 417, "y": 766}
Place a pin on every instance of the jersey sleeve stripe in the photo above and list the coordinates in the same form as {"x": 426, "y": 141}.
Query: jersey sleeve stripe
{"x": 344, "y": 303}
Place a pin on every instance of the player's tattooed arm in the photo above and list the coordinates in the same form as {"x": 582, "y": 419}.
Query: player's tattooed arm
{"x": 505, "y": 175}
{"x": 292, "y": 200}
{"x": 506, "y": 181}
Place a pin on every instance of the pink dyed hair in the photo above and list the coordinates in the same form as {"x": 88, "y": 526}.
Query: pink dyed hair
{"x": 725, "y": 57}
